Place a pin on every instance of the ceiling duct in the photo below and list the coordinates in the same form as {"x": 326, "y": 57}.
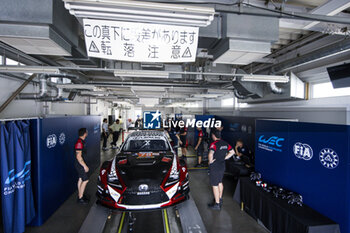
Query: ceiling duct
{"x": 138, "y": 11}
{"x": 245, "y": 39}
{"x": 243, "y": 90}
{"x": 271, "y": 91}
{"x": 41, "y": 27}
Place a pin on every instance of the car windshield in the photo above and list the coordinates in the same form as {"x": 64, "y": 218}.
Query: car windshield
{"x": 146, "y": 145}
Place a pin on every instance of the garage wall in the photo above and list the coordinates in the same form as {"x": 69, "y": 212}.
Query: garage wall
{"x": 31, "y": 108}
{"x": 334, "y": 110}
{"x": 102, "y": 108}
{"x": 18, "y": 108}
{"x": 69, "y": 108}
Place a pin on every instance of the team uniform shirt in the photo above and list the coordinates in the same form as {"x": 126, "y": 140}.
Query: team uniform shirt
{"x": 173, "y": 137}
{"x": 80, "y": 146}
{"x": 183, "y": 138}
{"x": 200, "y": 136}
{"x": 220, "y": 148}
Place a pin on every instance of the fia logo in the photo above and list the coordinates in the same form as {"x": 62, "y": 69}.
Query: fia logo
{"x": 329, "y": 158}
{"x": 151, "y": 120}
{"x": 51, "y": 141}
{"x": 303, "y": 151}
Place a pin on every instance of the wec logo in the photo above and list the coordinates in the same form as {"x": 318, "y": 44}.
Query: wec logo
{"x": 24, "y": 174}
{"x": 273, "y": 141}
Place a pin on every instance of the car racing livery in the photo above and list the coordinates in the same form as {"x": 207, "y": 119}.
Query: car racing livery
{"x": 145, "y": 174}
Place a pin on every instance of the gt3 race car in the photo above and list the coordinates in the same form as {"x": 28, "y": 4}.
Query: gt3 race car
{"x": 146, "y": 174}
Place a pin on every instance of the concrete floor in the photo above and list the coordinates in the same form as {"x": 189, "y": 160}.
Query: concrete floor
{"x": 70, "y": 216}
{"x": 230, "y": 218}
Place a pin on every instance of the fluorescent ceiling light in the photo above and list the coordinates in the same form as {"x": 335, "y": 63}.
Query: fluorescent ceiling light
{"x": 265, "y": 78}
{"x": 29, "y": 69}
{"x": 206, "y": 95}
{"x": 77, "y": 86}
{"x": 141, "y": 73}
{"x": 137, "y": 18}
{"x": 141, "y": 12}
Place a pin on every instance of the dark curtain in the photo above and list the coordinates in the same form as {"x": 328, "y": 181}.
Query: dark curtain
{"x": 15, "y": 161}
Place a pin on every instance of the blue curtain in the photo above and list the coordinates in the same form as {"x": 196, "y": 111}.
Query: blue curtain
{"x": 17, "y": 196}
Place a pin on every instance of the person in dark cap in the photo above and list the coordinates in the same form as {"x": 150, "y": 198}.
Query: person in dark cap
{"x": 219, "y": 151}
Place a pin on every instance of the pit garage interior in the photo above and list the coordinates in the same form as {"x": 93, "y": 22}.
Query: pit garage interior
{"x": 275, "y": 73}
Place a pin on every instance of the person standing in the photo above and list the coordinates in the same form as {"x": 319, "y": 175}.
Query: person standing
{"x": 104, "y": 134}
{"x": 219, "y": 151}
{"x": 116, "y": 128}
{"x": 138, "y": 122}
{"x": 183, "y": 141}
{"x": 80, "y": 165}
{"x": 199, "y": 148}
{"x": 174, "y": 139}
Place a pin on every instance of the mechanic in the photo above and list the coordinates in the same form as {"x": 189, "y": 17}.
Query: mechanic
{"x": 219, "y": 151}
{"x": 80, "y": 165}
{"x": 183, "y": 141}
{"x": 210, "y": 139}
{"x": 239, "y": 164}
{"x": 174, "y": 139}
{"x": 104, "y": 134}
{"x": 138, "y": 122}
{"x": 116, "y": 128}
{"x": 199, "y": 148}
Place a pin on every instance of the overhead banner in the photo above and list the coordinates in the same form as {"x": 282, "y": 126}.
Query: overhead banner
{"x": 140, "y": 42}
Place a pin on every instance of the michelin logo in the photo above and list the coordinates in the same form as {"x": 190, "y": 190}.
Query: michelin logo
{"x": 329, "y": 158}
{"x": 151, "y": 120}
{"x": 302, "y": 151}
{"x": 273, "y": 143}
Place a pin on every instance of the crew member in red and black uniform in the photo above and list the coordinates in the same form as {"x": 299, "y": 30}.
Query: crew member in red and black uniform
{"x": 80, "y": 165}
{"x": 219, "y": 151}
{"x": 199, "y": 147}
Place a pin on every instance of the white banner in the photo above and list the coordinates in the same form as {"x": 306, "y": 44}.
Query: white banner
{"x": 140, "y": 42}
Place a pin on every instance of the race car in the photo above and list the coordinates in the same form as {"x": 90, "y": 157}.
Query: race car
{"x": 145, "y": 174}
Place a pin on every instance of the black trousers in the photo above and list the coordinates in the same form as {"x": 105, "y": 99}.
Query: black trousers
{"x": 115, "y": 138}
{"x": 105, "y": 136}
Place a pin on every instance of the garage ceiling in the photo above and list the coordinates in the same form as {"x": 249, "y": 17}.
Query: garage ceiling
{"x": 295, "y": 39}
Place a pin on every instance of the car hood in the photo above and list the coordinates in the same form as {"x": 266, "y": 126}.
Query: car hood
{"x": 138, "y": 168}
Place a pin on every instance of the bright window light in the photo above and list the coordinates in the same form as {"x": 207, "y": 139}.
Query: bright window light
{"x": 242, "y": 105}
{"x": 11, "y": 62}
{"x": 228, "y": 102}
{"x": 1, "y": 60}
{"x": 322, "y": 90}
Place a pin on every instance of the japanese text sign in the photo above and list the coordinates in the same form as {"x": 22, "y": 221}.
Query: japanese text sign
{"x": 140, "y": 42}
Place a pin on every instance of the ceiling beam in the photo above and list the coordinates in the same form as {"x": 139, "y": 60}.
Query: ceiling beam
{"x": 330, "y": 8}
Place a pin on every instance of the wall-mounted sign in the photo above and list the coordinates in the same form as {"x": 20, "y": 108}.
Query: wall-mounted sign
{"x": 303, "y": 151}
{"x": 329, "y": 158}
{"x": 273, "y": 143}
{"x": 51, "y": 141}
{"x": 140, "y": 42}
